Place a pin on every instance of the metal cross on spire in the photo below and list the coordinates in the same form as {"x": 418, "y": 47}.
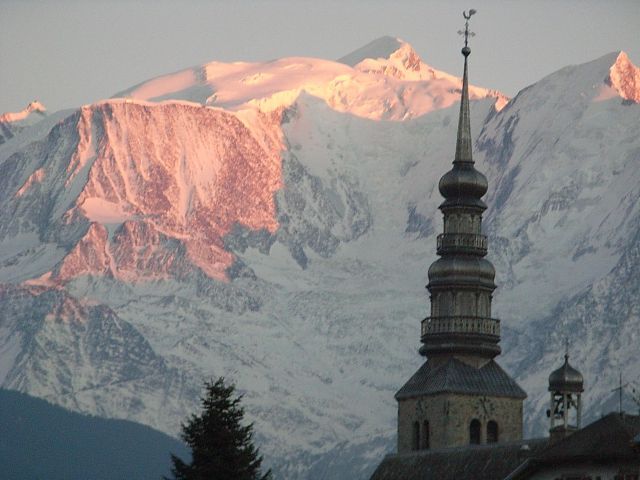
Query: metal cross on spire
{"x": 466, "y": 32}
{"x": 566, "y": 347}
{"x": 463, "y": 142}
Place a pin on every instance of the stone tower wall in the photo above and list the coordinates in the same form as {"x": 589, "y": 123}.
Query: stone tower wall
{"x": 449, "y": 417}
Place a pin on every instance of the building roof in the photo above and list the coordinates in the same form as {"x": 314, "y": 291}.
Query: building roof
{"x": 477, "y": 462}
{"x": 455, "y": 376}
{"x": 607, "y": 440}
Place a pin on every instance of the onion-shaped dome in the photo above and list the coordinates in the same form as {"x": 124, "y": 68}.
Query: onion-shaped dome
{"x": 462, "y": 270}
{"x": 463, "y": 185}
{"x": 566, "y": 379}
{"x": 463, "y": 182}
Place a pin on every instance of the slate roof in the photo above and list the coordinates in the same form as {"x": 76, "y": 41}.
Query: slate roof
{"x": 605, "y": 441}
{"x": 455, "y": 376}
{"x": 608, "y": 438}
{"x": 477, "y": 462}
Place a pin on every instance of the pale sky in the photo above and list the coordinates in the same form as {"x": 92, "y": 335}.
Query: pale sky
{"x": 67, "y": 53}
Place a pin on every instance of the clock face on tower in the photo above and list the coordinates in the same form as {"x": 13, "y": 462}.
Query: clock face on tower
{"x": 485, "y": 407}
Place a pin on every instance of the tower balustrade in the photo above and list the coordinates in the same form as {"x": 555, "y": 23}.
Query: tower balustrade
{"x": 469, "y": 243}
{"x": 460, "y": 324}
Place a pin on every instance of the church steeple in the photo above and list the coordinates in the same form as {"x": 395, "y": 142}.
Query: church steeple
{"x": 463, "y": 144}
{"x": 460, "y": 395}
{"x": 461, "y": 281}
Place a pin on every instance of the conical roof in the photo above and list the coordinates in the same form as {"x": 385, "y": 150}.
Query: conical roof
{"x": 463, "y": 185}
{"x": 566, "y": 379}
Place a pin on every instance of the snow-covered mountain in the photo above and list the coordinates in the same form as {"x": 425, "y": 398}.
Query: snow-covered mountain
{"x": 273, "y": 223}
{"x": 13, "y": 122}
{"x": 385, "y": 80}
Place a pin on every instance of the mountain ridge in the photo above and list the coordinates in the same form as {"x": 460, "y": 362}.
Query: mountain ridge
{"x": 399, "y": 86}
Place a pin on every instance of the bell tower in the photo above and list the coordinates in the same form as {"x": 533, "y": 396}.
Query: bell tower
{"x": 565, "y": 413}
{"x": 460, "y": 395}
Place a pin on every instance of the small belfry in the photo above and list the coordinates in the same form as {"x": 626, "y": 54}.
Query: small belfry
{"x": 460, "y": 395}
{"x": 565, "y": 413}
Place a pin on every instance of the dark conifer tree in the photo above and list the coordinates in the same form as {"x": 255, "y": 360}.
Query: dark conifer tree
{"x": 221, "y": 447}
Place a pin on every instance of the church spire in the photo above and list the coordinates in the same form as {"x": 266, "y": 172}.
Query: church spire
{"x": 461, "y": 281}
{"x": 464, "y": 185}
{"x": 463, "y": 144}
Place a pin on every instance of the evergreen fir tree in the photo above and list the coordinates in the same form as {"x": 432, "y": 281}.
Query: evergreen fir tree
{"x": 221, "y": 447}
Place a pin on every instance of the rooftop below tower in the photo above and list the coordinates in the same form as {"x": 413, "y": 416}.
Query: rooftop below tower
{"x": 455, "y": 376}
{"x": 478, "y": 462}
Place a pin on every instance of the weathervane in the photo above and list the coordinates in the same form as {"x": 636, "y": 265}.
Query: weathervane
{"x": 466, "y": 31}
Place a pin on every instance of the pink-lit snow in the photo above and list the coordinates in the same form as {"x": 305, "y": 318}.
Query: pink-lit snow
{"x": 397, "y": 85}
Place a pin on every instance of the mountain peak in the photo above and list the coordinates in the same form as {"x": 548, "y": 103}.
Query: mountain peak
{"x": 34, "y": 106}
{"x": 382, "y": 47}
{"x": 625, "y": 78}
{"x": 393, "y": 57}
{"x": 408, "y": 58}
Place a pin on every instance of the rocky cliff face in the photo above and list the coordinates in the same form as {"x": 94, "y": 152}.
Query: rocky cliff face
{"x": 273, "y": 223}
{"x": 81, "y": 355}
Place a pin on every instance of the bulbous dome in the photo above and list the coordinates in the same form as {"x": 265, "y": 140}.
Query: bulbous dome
{"x": 462, "y": 269}
{"x": 566, "y": 379}
{"x": 463, "y": 182}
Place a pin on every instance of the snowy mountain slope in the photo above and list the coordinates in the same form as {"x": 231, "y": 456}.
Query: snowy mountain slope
{"x": 566, "y": 184}
{"x": 393, "y": 83}
{"x": 287, "y": 249}
{"x": 601, "y": 323}
{"x": 564, "y": 218}
{"x": 80, "y": 355}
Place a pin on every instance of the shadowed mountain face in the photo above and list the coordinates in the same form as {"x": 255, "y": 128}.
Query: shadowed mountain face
{"x": 273, "y": 223}
{"x": 40, "y": 440}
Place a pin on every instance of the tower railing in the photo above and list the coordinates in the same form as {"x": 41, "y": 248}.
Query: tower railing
{"x": 460, "y": 324}
{"x": 462, "y": 243}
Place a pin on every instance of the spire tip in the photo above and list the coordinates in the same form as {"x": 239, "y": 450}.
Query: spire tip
{"x": 466, "y": 50}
